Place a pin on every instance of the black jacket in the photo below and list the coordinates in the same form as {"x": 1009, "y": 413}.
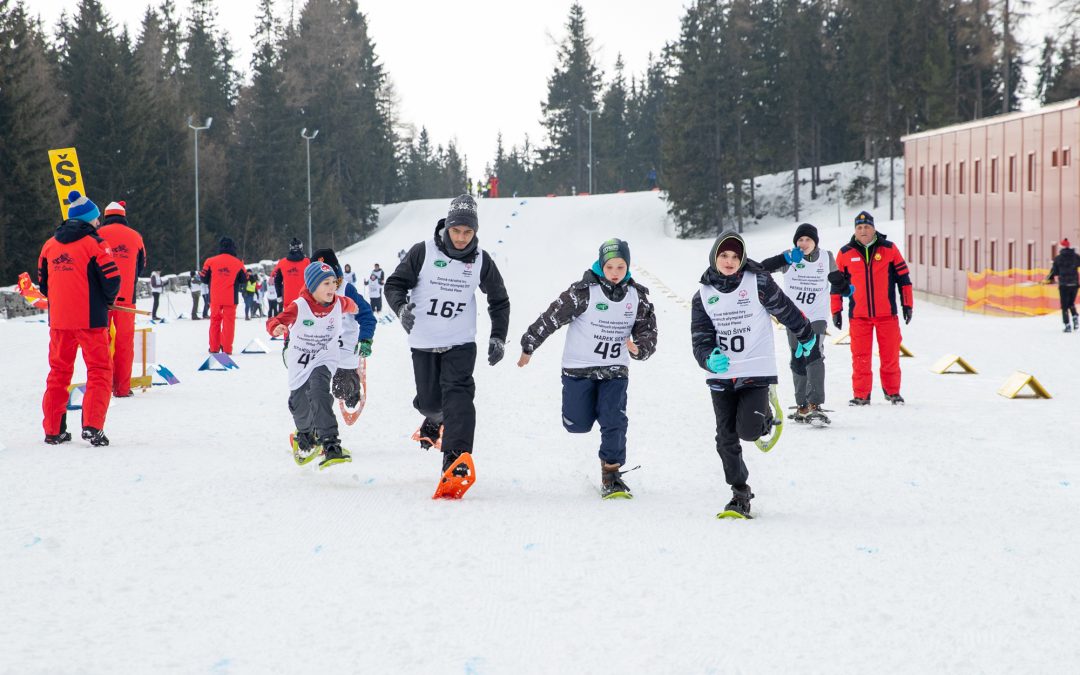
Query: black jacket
{"x": 776, "y": 303}
{"x": 1064, "y": 268}
{"x": 407, "y": 274}
{"x": 573, "y": 302}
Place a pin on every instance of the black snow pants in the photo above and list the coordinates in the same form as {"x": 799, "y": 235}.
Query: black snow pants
{"x": 444, "y": 393}
{"x": 740, "y": 414}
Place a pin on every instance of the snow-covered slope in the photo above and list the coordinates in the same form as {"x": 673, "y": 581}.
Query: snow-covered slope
{"x": 939, "y": 536}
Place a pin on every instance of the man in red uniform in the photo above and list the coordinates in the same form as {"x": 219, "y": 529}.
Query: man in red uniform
{"x": 288, "y": 273}
{"x": 130, "y": 254}
{"x": 869, "y": 268}
{"x": 77, "y": 273}
{"x": 224, "y": 273}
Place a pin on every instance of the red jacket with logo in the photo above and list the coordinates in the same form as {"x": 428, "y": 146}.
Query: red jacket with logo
{"x": 225, "y": 274}
{"x": 77, "y": 273}
{"x": 875, "y": 271}
{"x": 129, "y": 253}
{"x": 288, "y": 276}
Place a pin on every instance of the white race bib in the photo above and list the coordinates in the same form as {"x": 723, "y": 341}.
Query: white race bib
{"x": 445, "y": 298}
{"x": 743, "y": 329}
{"x": 313, "y": 342}
{"x": 807, "y": 284}
{"x": 598, "y": 336}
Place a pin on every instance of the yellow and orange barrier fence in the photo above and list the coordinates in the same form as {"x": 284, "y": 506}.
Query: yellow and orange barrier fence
{"x": 1014, "y": 291}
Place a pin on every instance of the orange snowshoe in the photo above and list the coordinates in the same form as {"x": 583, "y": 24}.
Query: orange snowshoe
{"x": 457, "y": 479}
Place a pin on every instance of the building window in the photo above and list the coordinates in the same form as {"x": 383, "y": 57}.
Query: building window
{"x": 977, "y": 176}
{"x": 960, "y": 254}
{"x": 948, "y": 178}
{"x": 933, "y": 251}
{"x": 1009, "y": 259}
{"x": 992, "y": 260}
{"x": 1053, "y": 251}
{"x": 910, "y": 181}
{"x": 1053, "y": 159}
{"x": 1031, "y": 255}
{"x": 922, "y": 180}
{"x": 1012, "y": 173}
{"x": 910, "y": 246}
{"x": 933, "y": 179}
{"x": 976, "y": 261}
{"x": 1031, "y": 172}
{"x": 993, "y": 176}
{"x": 945, "y": 252}
{"x": 960, "y": 177}
{"x": 1065, "y": 157}
{"x": 922, "y": 256}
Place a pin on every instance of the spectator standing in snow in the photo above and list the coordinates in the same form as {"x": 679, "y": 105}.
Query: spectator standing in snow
{"x": 1064, "y": 270}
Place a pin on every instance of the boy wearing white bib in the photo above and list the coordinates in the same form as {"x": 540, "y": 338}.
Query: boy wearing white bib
{"x": 314, "y": 322}
{"x": 611, "y": 321}
{"x": 433, "y": 293}
{"x": 733, "y": 340}
{"x": 806, "y": 271}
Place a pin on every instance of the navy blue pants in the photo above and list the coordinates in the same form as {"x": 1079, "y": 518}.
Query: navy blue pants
{"x": 586, "y": 401}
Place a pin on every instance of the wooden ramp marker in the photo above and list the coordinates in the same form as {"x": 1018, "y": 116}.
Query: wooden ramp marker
{"x": 843, "y": 339}
{"x": 942, "y": 365}
{"x": 1016, "y": 383}
{"x": 904, "y": 351}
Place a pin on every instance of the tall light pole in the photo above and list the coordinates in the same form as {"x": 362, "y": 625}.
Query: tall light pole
{"x": 209, "y": 121}
{"x": 590, "y": 114}
{"x": 309, "y": 139}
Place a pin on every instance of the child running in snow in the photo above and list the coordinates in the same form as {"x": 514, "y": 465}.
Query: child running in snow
{"x": 733, "y": 340}
{"x": 611, "y": 321}
{"x": 314, "y": 322}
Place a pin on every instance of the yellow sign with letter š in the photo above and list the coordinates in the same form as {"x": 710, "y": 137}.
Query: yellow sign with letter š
{"x": 64, "y": 163}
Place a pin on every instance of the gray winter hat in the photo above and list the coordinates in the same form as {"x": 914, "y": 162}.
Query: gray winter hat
{"x": 463, "y": 213}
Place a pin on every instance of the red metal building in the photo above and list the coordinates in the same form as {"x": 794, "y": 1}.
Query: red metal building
{"x": 996, "y": 194}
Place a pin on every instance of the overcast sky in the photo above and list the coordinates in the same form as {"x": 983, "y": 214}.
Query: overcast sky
{"x": 463, "y": 70}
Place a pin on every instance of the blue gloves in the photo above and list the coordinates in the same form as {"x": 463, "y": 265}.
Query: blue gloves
{"x": 717, "y": 362}
{"x": 804, "y": 348}
{"x": 850, "y": 291}
{"x": 793, "y": 256}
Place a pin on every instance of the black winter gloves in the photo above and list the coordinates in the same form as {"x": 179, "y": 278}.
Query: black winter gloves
{"x": 408, "y": 319}
{"x": 838, "y": 320}
{"x": 496, "y": 350}
{"x": 907, "y": 314}
{"x": 346, "y": 386}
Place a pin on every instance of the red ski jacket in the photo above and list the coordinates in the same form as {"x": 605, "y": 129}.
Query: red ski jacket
{"x": 225, "y": 274}
{"x": 288, "y": 276}
{"x": 77, "y": 273}
{"x": 129, "y": 252}
{"x": 875, "y": 271}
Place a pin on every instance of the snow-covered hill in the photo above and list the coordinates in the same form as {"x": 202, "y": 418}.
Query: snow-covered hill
{"x": 939, "y": 536}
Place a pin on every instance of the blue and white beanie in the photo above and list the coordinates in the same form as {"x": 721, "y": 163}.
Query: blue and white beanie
{"x": 81, "y": 208}
{"x": 315, "y": 273}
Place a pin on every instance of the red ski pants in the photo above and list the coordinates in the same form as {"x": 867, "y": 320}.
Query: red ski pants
{"x": 123, "y": 323}
{"x": 862, "y": 344}
{"x": 222, "y": 327}
{"x": 63, "y": 345}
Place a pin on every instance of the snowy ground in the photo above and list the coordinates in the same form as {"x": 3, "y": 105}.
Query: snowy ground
{"x": 939, "y": 536}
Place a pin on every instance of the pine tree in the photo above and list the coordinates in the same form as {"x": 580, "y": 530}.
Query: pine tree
{"x": 31, "y": 122}
{"x": 572, "y": 86}
{"x": 611, "y": 136}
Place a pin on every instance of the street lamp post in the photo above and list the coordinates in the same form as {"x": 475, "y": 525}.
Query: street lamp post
{"x": 590, "y": 114}
{"x": 209, "y": 121}
{"x": 309, "y": 139}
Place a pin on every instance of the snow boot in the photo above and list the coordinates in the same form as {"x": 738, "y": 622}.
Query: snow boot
{"x": 1068, "y": 328}
{"x": 459, "y": 474}
{"x": 333, "y": 453}
{"x": 612, "y": 485}
{"x": 859, "y": 401}
{"x": 429, "y": 435}
{"x": 57, "y": 439}
{"x": 739, "y": 506}
{"x": 895, "y": 399}
{"x": 1076, "y": 322}
{"x": 800, "y": 414}
{"x": 304, "y": 447}
{"x": 96, "y": 437}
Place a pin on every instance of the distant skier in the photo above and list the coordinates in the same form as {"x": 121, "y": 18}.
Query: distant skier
{"x": 1064, "y": 270}
{"x": 77, "y": 273}
{"x": 732, "y": 338}
{"x": 226, "y": 275}
{"x": 129, "y": 252}
{"x": 314, "y": 321}
{"x": 438, "y": 278}
{"x": 611, "y": 321}
{"x": 806, "y": 270}
{"x": 375, "y": 282}
{"x": 869, "y": 269}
